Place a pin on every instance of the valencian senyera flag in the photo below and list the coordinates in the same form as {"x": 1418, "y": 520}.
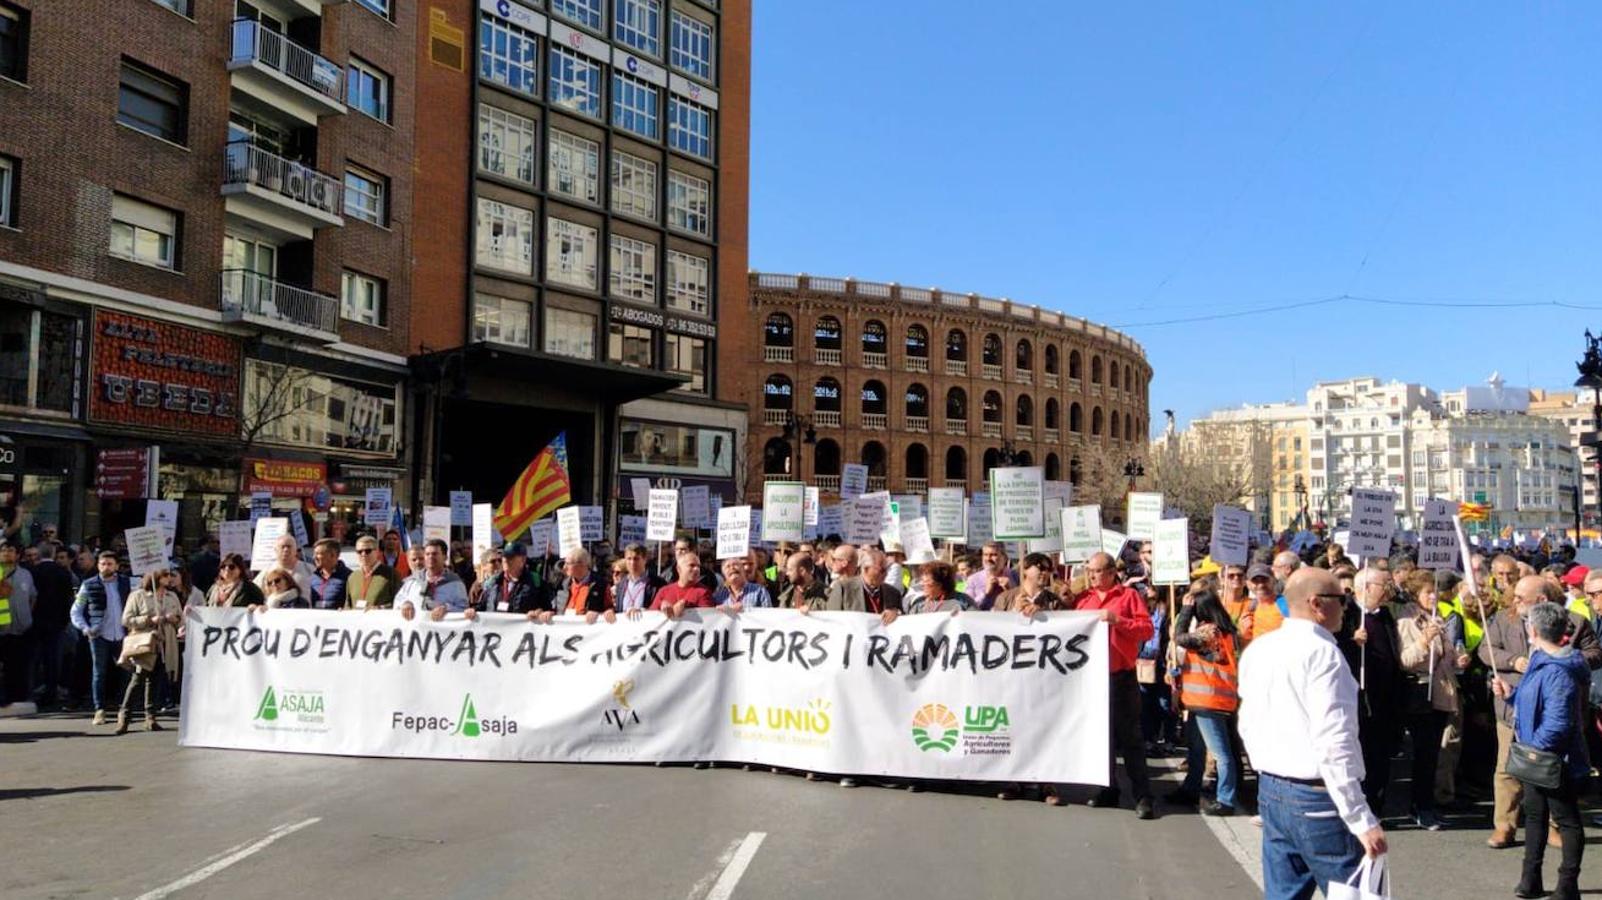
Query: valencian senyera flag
{"x": 1474, "y": 512}
{"x": 542, "y": 489}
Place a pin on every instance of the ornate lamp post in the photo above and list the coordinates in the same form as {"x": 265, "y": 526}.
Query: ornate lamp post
{"x": 1590, "y": 366}
{"x": 799, "y": 425}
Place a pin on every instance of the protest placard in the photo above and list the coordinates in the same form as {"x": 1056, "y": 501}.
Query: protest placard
{"x": 662, "y": 508}
{"x": 640, "y": 488}
{"x": 908, "y": 506}
{"x": 147, "y": 549}
{"x": 375, "y": 512}
{"x": 264, "y": 543}
{"x": 1112, "y": 542}
{"x": 977, "y": 515}
{"x": 867, "y": 518}
{"x": 483, "y": 523}
{"x": 809, "y": 509}
{"x": 437, "y": 524}
{"x": 569, "y": 530}
{"x": 1052, "y": 542}
{"x": 783, "y": 511}
{"x": 1017, "y": 503}
{"x": 945, "y": 513}
{"x": 592, "y": 523}
{"x": 1373, "y": 523}
{"x": 630, "y": 530}
{"x": 853, "y": 481}
{"x": 163, "y": 514}
{"x": 234, "y": 537}
{"x": 1437, "y": 544}
{"x": 297, "y": 525}
{"x": 1081, "y": 533}
{"x": 831, "y": 520}
{"x": 541, "y": 538}
{"x": 1145, "y": 511}
{"x": 697, "y": 507}
{"x": 461, "y": 509}
{"x": 734, "y": 531}
{"x": 1170, "y": 552}
{"x": 261, "y": 505}
{"x": 1231, "y": 542}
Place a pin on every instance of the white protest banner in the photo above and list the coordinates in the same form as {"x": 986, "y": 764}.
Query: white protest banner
{"x": 541, "y": 538}
{"x": 641, "y": 489}
{"x": 853, "y": 481}
{"x": 1112, "y": 542}
{"x": 662, "y": 509}
{"x": 1081, "y": 533}
{"x": 945, "y": 513}
{"x": 297, "y": 524}
{"x": 462, "y": 510}
{"x": 1145, "y": 511}
{"x": 1468, "y": 556}
{"x": 261, "y": 505}
{"x": 1017, "y": 503}
{"x": 734, "y": 531}
{"x": 630, "y": 530}
{"x": 697, "y": 507}
{"x": 437, "y": 524}
{"x": 1052, "y": 542}
{"x": 569, "y": 530}
{"x": 264, "y": 544}
{"x": 916, "y": 542}
{"x": 234, "y": 537}
{"x": 592, "y": 523}
{"x": 867, "y": 518}
{"x": 1437, "y": 545}
{"x": 376, "y": 510}
{"x": 809, "y": 507}
{"x": 1170, "y": 552}
{"x": 147, "y": 549}
{"x": 784, "y": 511}
{"x": 1373, "y": 523}
{"x": 708, "y": 686}
{"x": 482, "y": 516}
{"x": 977, "y": 514}
{"x": 1231, "y": 542}
{"x": 908, "y": 506}
{"x": 831, "y": 519}
{"x": 163, "y": 514}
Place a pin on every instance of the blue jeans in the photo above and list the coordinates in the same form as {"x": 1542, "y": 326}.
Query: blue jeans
{"x": 1210, "y": 734}
{"x": 1305, "y": 844}
{"x": 103, "y": 657}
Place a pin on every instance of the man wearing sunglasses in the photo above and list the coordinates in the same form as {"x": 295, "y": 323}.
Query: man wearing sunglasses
{"x": 373, "y": 584}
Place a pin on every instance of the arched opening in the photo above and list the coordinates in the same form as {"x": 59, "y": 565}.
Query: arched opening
{"x": 1095, "y": 370}
{"x": 874, "y": 337}
{"x": 1114, "y": 427}
{"x": 917, "y": 401}
{"x": 826, "y": 458}
{"x": 917, "y": 461}
{"x": 992, "y": 458}
{"x": 1053, "y": 414}
{"x": 1076, "y": 418}
{"x": 777, "y": 393}
{"x": 918, "y": 342}
{"x": 779, "y": 331}
{"x": 1129, "y": 379}
{"x": 1129, "y": 427}
{"x": 956, "y": 464}
{"x": 956, "y": 346}
{"x": 1051, "y": 359}
{"x": 992, "y": 410}
{"x": 1112, "y": 374}
{"x": 992, "y": 350}
{"x": 957, "y": 405}
{"x": 1024, "y": 358}
{"x": 1023, "y": 458}
{"x": 873, "y": 457}
{"x": 1053, "y": 467}
{"x": 826, "y": 395}
{"x": 827, "y": 336}
{"x": 1076, "y": 364}
{"x": 776, "y": 457}
{"x": 1025, "y": 412}
{"x": 1076, "y": 472}
{"x": 875, "y": 399}
{"x": 1095, "y": 422}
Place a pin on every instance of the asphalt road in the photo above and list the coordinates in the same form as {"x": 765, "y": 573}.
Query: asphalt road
{"x": 86, "y": 814}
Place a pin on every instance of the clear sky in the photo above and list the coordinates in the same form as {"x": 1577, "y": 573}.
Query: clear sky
{"x": 1137, "y": 163}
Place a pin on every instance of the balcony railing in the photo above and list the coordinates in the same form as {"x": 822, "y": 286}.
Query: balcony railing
{"x": 1023, "y": 377}
{"x": 1076, "y": 385}
{"x": 919, "y": 424}
{"x": 826, "y": 357}
{"x": 1095, "y": 390}
{"x": 245, "y": 163}
{"x": 827, "y": 418}
{"x": 1026, "y": 432}
{"x": 1051, "y": 379}
{"x": 991, "y": 372}
{"x": 250, "y": 296}
{"x": 1051, "y": 436}
{"x": 279, "y": 53}
{"x": 956, "y": 483}
{"x": 775, "y": 417}
{"x": 875, "y": 360}
{"x": 876, "y": 483}
{"x": 990, "y": 429}
{"x": 778, "y": 354}
{"x": 957, "y": 367}
{"x": 956, "y": 426}
{"x": 827, "y": 483}
{"x": 917, "y": 485}
{"x": 917, "y": 363}
{"x": 875, "y": 421}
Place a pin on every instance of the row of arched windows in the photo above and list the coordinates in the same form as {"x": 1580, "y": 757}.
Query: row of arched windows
{"x": 827, "y": 461}
{"x": 828, "y": 334}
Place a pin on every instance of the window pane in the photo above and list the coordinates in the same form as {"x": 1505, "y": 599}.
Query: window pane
{"x": 584, "y": 12}
{"x": 506, "y": 143}
{"x": 689, "y": 127}
{"x": 638, "y": 24}
{"x": 8, "y": 178}
{"x": 569, "y": 333}
{"x": 16, "y": 345}
{"x": 687, "y": 356}
{"x": 633, "y": 185}
{"x": 688, "y": 283}
{"x": 689, "y": 204}
{"x": 501, "y": 320}
{"x": 633, "y": 269}
{"x": 151, "y": 104}
{"x": 505, "y": 237}
{"x": 575, "y": 83}
{"x": 692, "y": 46}
{"x": 364, "y": 196}
{"x": 634, "y": 106}
{"x": 575, "y": 167}
{"x": 508, "y": 55}
{"x": 570, "y": 253}
{"x": 630, "y": 345}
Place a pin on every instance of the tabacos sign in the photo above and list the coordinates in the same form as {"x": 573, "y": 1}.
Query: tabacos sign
{"x": 291, "y": 709}
{"x": 466, "y": 724}
{"x": 982, "y": 731}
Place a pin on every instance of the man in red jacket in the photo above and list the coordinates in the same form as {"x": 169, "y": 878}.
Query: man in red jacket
{"x": 1128, "y": 626}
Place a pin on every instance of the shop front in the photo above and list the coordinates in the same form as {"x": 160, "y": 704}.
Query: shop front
{"x": 678, "y": 445}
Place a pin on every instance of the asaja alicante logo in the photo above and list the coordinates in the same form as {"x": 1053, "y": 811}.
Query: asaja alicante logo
{"x": 467, "y": 723}
{"x": 934, "y": 727}
{"x": 290, "y": 709}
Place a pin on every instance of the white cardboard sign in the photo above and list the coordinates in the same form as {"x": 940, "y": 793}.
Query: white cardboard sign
{"x": 1231, "y": 541}
{"x": 1145, "y": 511}
{"x": 734, "y": 531}
{"x": 1170, "y": 552}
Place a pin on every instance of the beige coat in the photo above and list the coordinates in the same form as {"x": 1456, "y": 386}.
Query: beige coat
{"x": 1416, "y": 657}
{"x": 136, "y": 615}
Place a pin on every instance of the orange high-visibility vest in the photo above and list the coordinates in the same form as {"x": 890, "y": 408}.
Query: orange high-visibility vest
{"x": 1211, "y": 685}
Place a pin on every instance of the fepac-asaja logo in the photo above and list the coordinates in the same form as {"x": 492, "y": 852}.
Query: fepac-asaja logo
{"x": 466, "y": 724}
{"x": 934, "y": 727}
{"x": 289, "y": 709}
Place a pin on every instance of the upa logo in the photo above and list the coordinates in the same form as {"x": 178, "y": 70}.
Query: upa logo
{"x": 934, "y": 727}
{"x": 467, "y": 723}
{"x": 984, "y": 719}
{"x": 287, "y": 709}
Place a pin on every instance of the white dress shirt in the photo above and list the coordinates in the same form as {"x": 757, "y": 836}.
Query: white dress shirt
{"x": 1298, "y": 715}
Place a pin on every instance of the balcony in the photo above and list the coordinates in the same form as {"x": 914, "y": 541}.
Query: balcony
{"x": 917, "y": 364}
{"x": 286, "y": 198}
{"x": 775, "y": 417}
{"x": 992, "y": 372}
{"x": 826, "y": 418}
{"x": 825, "y": 357}
{"x": 919, "y": 424}
{"x": 957, "y": 426}
{"x": 957, "y": 483}
{"x": 877, "y": 483}
{"x": 957, "y": 367}
{"x": 277, "y": 75}
{"x": 1051, "y": 436}
{"x": 1025, "y": 432}
{"x": 1095, "y": 390}
{"x": 828, "y": 484}
{"x": 1051, "y": 379}
{"x": 875, "y": 421}
{"x": 917, "y": 485}
{"x": 1023, "y": 377}
{"x": 256, "y": 299}
{"x": 1076, "y": 385}
{"x": 778, "y": 354}
{"x": 990, "y": 429}
{"x": 875, "y": 360}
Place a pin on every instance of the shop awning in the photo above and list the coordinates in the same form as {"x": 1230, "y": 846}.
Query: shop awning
{"x": 611, "y": 383}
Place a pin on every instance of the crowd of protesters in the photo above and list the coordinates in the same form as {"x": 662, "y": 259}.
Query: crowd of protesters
{"x": 1437, "y": 669}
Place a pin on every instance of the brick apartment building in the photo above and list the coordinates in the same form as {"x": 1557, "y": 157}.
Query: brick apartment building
{"x": 205, "y": 237}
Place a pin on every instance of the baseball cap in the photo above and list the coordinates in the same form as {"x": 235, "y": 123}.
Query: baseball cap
{"x": 514, "y": 548}
{"x": 1259, "y": 571}
{"x": 1575, "y": 576}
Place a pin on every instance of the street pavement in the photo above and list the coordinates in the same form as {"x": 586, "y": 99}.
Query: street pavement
{"x": 91, "y": 815}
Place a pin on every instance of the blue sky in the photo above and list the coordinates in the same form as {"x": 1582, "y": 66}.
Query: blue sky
{"x": 1138, "y": 163}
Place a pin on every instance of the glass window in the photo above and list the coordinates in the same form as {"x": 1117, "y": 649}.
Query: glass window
{"x": 505, "y": 237}
{"x": 365, "y": 194}
{"x": 569, "y": 333}
{"x": 689, "y": 204}
{"x": 575, "y": 83}
{"x": 39, "y": 354}
{"x": 151, "y": 102}
{"x": 630, "y": 345}
{"x": 634, "y": 106}
{"x": 507, "y": 143}
{"x": 144, "y": 233}
{"x": 689, "y": 127}
{"x": 367, "y": 89}
{"x": 181, "y": 7}
{"x": 633, "y": 185}
{"x": 362, "y": 298}
{"x": 570, "y": 253}
{"x": 574, "y": 167}
{"x": 687, "y": 356}
{"x": 8, "y": 191}
{"x": 692, "y": 46}
{"x": 501, "y": 320}
{"x": 688, "y": 283}
{"x": 638, "y": 24}
{"x": 508, "y": 55}
{"x": 633, "y": 269}
{"x": 305, "y": 408}
{"x": 584, "y": 12}
{"x": 13, "y": 42}
{"x": 378, "y": 6}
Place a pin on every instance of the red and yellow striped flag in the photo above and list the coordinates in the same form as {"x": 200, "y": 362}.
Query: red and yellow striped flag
{"x": 542, "y": 489}
{"x": 1474, "y": 512}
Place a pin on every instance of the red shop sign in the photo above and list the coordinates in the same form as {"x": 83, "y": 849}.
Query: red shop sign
{"x": 158, "y": 375}
{"x": 284, "y": 477}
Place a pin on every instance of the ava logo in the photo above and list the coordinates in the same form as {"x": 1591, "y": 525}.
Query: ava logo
{"x": 620, "y": 691}
{"x": 934, "y": 727}
{"x": 267, "y": 710}
{"x": 623, "y": 715}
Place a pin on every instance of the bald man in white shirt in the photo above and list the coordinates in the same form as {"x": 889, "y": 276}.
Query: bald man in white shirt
{"x": 1298, "y": 720}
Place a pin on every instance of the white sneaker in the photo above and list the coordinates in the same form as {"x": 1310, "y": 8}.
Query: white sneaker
{"x": 100, "y": 717}
{"x": 21, "y": 708}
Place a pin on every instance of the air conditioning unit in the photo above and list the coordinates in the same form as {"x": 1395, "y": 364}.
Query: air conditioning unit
{"x": 295, "y": 182}
{"x": 322, "y": 194}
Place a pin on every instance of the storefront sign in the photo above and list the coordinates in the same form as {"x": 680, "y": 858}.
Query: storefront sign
{"x": 154, "y": 374}
{"x": 634, "y": 315}
{"x": 692, "y": 327}
{"x": 284, "y": 477}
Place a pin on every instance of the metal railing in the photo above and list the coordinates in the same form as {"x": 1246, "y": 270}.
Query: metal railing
{"x": 826, "y": 357}
{"x": 774, "y": 354}
{"x": 957, "y": 367}
{"x": 919, "y": 424}
{"x": 917, "y": 363}
{"x": 245, "y": 163}
{"x": 827, "y": 418}
{"x": 775, "y": 417}
{"x": 279, "y": 53}
{"x": 956, "y": 426}
{"x": 262, "y": 297}
{"x": 875, "y": 360}
{"x": 875, "y": 421}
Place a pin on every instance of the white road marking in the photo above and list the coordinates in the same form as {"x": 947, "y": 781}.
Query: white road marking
{"x": 723, "y": 888}
{"x": 1243, "y": 840}
{"x": 205, "y": 872}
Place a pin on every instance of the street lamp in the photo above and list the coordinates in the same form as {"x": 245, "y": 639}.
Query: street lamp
{"x": 1299, "y": 522}
{"x": 798, "y": 425}
{"x": 1007, "y": 456}
{"x": 1133, "y": 470}
{"x": 1590, "y": 366}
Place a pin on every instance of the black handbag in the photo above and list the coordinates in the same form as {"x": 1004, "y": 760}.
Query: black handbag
{"x": 1539, "y": 768}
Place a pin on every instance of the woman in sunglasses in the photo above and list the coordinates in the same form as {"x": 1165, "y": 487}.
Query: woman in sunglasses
{"x": 232, "y": 588}
{"x": 282, "y": 591}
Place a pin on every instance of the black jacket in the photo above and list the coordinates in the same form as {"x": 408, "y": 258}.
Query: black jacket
{"x": 523, "y": 595}
{"x": 595, "y": 602}
{"x": 53, "y": 608}
{"x": 1378, "y": 668}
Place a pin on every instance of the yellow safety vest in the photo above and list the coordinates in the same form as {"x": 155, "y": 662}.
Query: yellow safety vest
{"x": 1581, "y": 607}
{"x": 1473, "y": 632}
{"x": 5, "y": 598}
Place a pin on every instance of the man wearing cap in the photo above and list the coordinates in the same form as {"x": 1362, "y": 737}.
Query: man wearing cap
{"x": 1263, "y": 600}
{"x": 514, "y": 589}
{"x": 1574, "y": 585}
